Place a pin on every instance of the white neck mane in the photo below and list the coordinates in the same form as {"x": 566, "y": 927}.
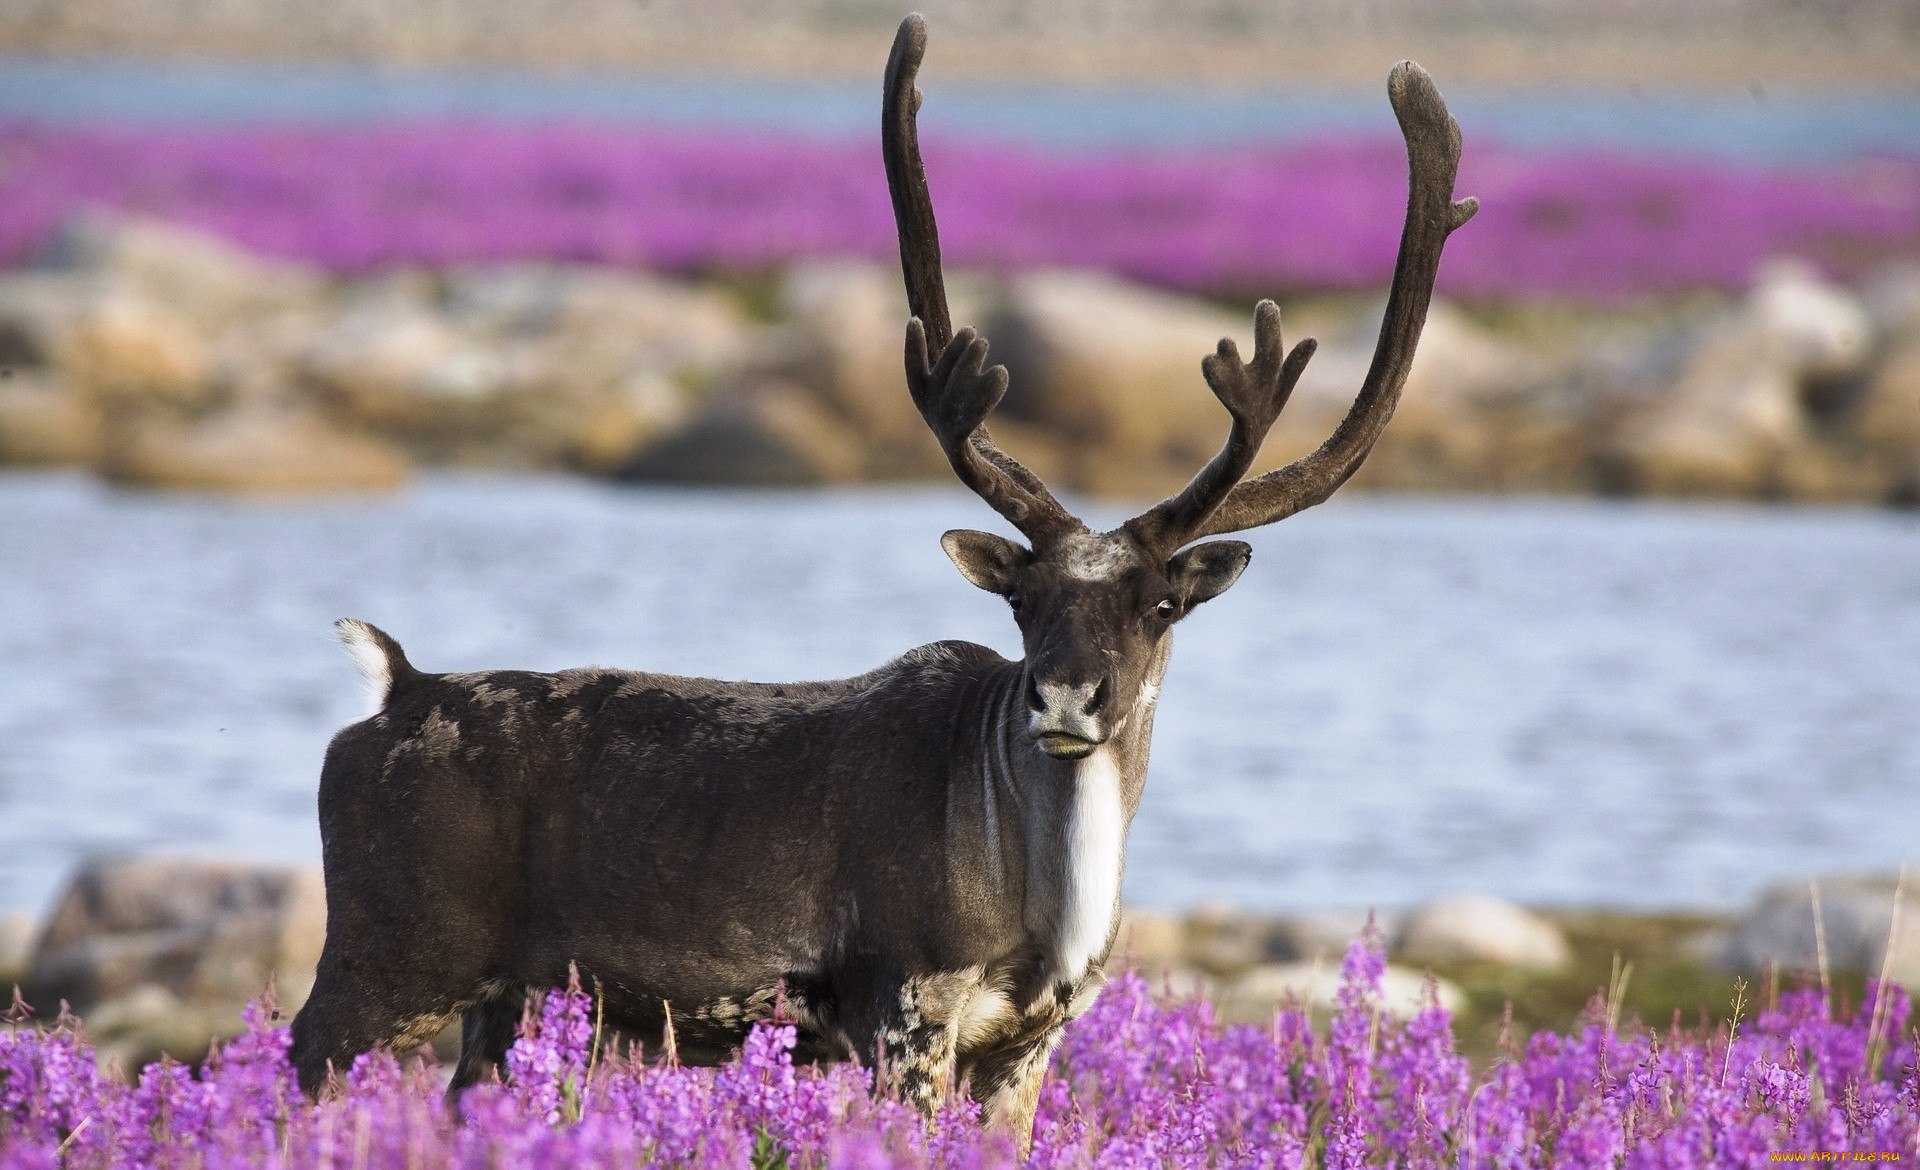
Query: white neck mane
{"x": 1096, "y": 829}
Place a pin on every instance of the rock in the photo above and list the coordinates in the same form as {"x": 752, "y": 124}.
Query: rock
{"x": 405, "y": 372}
{"x": 846, "y": 323}
{"x": 44, "y": 423}
{"x": 1724, "y": 408}
{"x": 1048, "y": 455}
{"x": 17, "y": 934}
{"x": 133, "y": 1030}
{"x": 482, "y": 387}
{"x": 1882, "y": 419}
{"x": 1314, "y": 987}
{"x": 1180, "y": 984}
{"x": 765, "y": 435}
{"x": 1323, "y": 936}
{"x": 1715, "y": 416}
{"x": 1149, "y": 941}
{"x": 1115, "y": 368}
{"x": 259, "y": 364}
{"x": 1480, "y": 929}
{"x": 37, "y": 311}
{"x": 1819, "y": 330}
{"x": 21, "y": 345}
{"x": 1856, "y": 914}
{"x": 1225, "y": 940}
{"x": 644, "y": 407}
{"x": 1477, "y": 411}
{"x": 1887, "y": 415}
{"x": 1892, "y": 302}
{"x": 135, "y": 350}
{"x": 196, "y": 275}
{"x": 849, "y": 317}
{"x": 639, "y": 317}
{"x": 260, "y": 450}
{"x": 203, "y": 931}
{"x": 1820, "y": 471}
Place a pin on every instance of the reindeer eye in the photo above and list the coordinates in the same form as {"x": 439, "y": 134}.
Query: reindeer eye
{"x": 1013, "y": 599}
{"x": 1165, "y": 610}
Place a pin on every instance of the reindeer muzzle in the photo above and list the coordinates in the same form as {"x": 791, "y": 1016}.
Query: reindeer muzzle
{"x": 1062, "y": 746}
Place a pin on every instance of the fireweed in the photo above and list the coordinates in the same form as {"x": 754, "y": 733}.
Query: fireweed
{"x": 1137, "y": 1083}
{"x": 1324, "y": 215}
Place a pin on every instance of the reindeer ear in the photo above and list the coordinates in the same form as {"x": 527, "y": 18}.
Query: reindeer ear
{"x": 1205, "y": 571}
{"x": 986, "y": 560}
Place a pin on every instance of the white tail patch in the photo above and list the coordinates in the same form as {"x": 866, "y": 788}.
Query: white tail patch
{"x": 1094, "y": 837}
{"x": 376, "y": 673}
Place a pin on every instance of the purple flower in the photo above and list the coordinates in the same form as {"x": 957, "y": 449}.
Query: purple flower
{"x": 1136, "y": 1082}
{"x": 1352, "y": 1117}
{"x": 548, "y": 1061}
{"x": 1316, "y": 216}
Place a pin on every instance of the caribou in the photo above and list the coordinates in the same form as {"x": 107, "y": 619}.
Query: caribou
{"x": 919, "y": 867}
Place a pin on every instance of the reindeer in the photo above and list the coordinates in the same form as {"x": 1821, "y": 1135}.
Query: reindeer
{"x": 919, "y": 867}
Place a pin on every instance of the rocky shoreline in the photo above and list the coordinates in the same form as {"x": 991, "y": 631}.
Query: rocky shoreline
{"x": 159, "y": 358}
{"x": 159, "y": 954}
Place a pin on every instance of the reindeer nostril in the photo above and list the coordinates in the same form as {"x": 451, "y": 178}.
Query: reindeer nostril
{"x": 1098, "y": 702}
{"x": 1034, "y": 701}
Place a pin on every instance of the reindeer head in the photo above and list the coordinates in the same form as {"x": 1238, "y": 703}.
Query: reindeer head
{"x": 1095, "y": 608}
{"x": 1094, "y": 611}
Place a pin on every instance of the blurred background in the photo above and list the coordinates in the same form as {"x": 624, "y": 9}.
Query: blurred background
{"x": 542, "y": 333}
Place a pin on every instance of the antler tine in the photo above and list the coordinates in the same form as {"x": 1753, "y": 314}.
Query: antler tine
{"x": 954, "y": 393}
{"x": 1254, "y": 394}
{"x": 907, "y": 184}
{"x": 1433, "y": 158}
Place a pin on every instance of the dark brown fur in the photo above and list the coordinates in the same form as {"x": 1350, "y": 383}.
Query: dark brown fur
{"x": 697, "y": 843}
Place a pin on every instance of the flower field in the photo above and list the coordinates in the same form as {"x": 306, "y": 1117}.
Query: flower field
{"x": 1136, "y": 1084}
{"x": 1316, "y": 217}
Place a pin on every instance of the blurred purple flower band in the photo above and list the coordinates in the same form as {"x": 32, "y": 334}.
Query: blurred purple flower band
{"x": 1138, "y": 1084}
{"x": 1317, "y": 217}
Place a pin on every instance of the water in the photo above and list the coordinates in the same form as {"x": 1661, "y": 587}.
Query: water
{"x": 1562, "y": 702}
{"x": 1758, "y": 126}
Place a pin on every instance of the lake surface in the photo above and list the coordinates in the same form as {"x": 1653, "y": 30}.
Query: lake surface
{"x": 1780, "y": 126}
{"x": 1561, "y": 702}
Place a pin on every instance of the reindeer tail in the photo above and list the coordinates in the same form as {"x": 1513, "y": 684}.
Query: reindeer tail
{"x": 382, "y": 664}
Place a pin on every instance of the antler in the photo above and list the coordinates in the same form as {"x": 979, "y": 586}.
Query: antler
{"x": 955, "y": 393}
{"x": 1254, "y": 393}
{"x": 1215, "y": 502}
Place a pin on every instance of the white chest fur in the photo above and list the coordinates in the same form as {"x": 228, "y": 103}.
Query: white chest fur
{"x": 1095, "y": 830}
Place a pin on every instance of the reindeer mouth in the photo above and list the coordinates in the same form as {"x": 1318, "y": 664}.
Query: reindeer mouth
{"x": 1062, "y": 746}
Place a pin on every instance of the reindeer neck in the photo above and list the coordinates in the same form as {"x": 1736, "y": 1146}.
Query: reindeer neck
{"x": 1055, "y": 829}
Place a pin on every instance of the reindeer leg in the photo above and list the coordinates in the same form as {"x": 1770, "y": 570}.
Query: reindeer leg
{"x": 919, "y": 1039}
{"x": 486, "y": 1032}
{"x": 914, "y": 1026}
{"x": 1006, "y": 1081}
{"x": 344, "y": 1017}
